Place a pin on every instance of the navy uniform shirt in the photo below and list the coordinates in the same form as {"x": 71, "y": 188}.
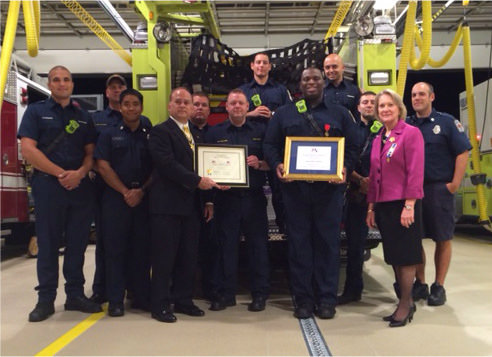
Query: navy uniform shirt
{"x": 106, "y": 118}
{"x": 365, "y": 140}
{"x": 287, "y": 121}
{"x": 199, "y": 134}
{"x": 363, "y": 165}
{"x": 43, "y": 121}
{"x": 250, "y": 134}
{"x": 346, "y": 94}
{"x": 273, "y": 95}
{"x": 127, "y": 152}
{"x": 110, "y": 117}
{"x": 444, "y": 140}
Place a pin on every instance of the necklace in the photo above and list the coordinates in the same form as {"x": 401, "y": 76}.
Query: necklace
{"x": 386, "y": 136}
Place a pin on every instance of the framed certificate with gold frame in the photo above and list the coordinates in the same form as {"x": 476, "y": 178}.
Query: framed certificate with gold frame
{"x": 225, "y": 164}
{"x": 314, "y": 158}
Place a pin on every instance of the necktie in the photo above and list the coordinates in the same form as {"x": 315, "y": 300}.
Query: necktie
{"x": 187, "y": 133}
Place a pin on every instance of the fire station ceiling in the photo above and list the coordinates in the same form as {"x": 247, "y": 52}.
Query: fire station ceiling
{"x": 310, "y": 19}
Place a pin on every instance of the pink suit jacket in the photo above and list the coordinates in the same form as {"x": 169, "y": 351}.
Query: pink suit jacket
{"x": 397, "y": 171}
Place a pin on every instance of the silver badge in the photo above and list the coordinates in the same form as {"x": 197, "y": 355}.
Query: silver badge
{"x": 437, "y": 129}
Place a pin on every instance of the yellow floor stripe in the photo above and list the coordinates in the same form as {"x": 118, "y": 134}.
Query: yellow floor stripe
{"x": 72, "y": 334}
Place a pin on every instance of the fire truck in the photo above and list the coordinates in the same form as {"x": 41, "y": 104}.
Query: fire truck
{"x": 467, "y": 202}
{"x": 16, "y": 203}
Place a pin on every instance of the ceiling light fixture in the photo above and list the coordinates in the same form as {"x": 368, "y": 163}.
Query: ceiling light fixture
{"x": 111, "y": 11}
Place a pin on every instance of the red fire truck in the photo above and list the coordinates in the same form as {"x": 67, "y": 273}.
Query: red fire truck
{"x": 15, "y": 201}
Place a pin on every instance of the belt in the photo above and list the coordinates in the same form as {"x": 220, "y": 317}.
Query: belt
{"x": 135, "y": 184}
{"x": 36, "y": 172}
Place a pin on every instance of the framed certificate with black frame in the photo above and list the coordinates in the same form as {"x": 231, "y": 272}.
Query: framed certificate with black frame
{"x": 314, "y": 158}
{"x": 225, "y": 164}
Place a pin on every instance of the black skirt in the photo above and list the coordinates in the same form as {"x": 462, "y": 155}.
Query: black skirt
{"x": 401, "y": 245}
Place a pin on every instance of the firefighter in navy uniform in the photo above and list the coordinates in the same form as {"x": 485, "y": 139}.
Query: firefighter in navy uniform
{"x": 111, "y": 116}
{"x": 57, "y": 139}
{"x": 313, "y": 209}
{"x": 356, "y": 203}
{"x": 338, "y": 90}
{"x": 263, "y": 93}
{"x": 104, "y": 119}
{"x": 241, "y": 210}
{"x": 198, "y": 121}
{"x": 207, "y": 245}
{"x": 124, "y": 162}
{"x": 265, "y": 96}
{"x": 446, "y": 155}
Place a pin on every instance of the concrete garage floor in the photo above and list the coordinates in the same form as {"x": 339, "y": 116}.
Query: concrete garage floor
{"x": 461, "y": 327}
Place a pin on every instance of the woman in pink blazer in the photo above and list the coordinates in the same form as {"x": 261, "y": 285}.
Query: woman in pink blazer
{"x": 394, "y": 197}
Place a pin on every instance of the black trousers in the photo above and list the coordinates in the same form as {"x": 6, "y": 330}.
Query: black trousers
{"x": 126, "y": 239}
{"x": 61, "y": 215}
{"x": 313, "y": 212}
{"x": 99, "y": 282}
{"x": 356, "y": 230}
{"x": 174, "y": 259}
{"x": 207, "y": 256}
{"x": 247, "y": 214}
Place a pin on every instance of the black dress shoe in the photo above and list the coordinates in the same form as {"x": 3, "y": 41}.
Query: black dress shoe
{"x": 164, "y": 315}
{"x": 389, "y": 318}
{"x": 437, "y": 295}
{"x": 116, "y": 310}
{"x": 325, "y": 311}
{"x": 42, "y": 311}
{"x": 217, "y": 305}
{"x": 222, "y": 303}
{"x": 407, "y": 319}
{"x": 347, "y": 298}
{"x": 303, "y": 311}
{"x": 98, "y": 298}
{"x": 83, "y": 304}
{"x": 190, "y": 310}
{"x": 419, "y": 290}
{"x": 258, "y": 304}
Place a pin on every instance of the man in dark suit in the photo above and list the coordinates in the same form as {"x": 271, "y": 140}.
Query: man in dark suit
{"x": 175, "y": 211}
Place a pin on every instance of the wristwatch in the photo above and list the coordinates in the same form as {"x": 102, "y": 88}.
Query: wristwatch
{"x": 408, "y": 207}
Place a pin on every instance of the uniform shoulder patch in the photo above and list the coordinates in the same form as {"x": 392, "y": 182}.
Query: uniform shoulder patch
{"x": 459, "y": 126}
